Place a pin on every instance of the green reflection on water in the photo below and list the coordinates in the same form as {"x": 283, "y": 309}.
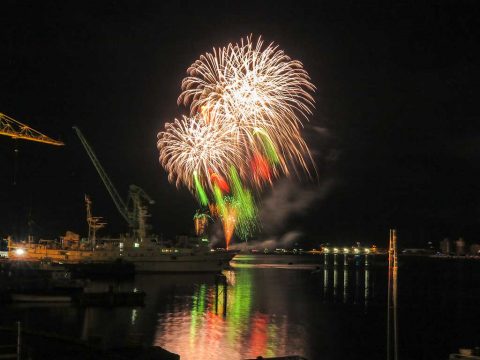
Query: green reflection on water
{"x": 198, "y": 308}
{"x": 271, "y": 343}
{"x": 239, "y": 305}
{"x": 238, "y": 323}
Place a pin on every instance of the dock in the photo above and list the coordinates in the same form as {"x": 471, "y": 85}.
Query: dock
{"x": 111, "y": 298}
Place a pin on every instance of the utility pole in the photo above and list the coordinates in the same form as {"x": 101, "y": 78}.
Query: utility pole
{"x": 392, "y": 296}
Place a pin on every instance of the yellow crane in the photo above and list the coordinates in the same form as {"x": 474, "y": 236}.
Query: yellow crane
{"x": 16, "y": 130}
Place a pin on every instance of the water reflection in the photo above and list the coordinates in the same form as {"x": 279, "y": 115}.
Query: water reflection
{"x": 357, "y": 286}
{"x": 335, "y": 282}
{"x": 347, "y": 284}
{"x": 250, "y": 315}
{"x": 325, "y": 282}
{"x": 220, "y": 319}
{"x": 367, "y": 286}
{"x": 281, "y": 309}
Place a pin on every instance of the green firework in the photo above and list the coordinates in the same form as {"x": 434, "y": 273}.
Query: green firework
{"x": 202, "y": 196}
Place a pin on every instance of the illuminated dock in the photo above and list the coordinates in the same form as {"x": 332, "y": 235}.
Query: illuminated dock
{"x": 335, "y": 257}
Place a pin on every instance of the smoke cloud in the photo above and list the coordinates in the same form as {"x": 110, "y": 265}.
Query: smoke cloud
{"x": 289, "y": 199}
{"x": 284, "y": 241}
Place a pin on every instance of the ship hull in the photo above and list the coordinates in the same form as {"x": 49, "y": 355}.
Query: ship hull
{"x": 186, "y": 263}
{"x": 149, "y": 259}
{"x": 40, "y": 298}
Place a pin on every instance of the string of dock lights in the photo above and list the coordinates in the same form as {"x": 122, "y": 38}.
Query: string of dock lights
{"x": 335, "y": 250}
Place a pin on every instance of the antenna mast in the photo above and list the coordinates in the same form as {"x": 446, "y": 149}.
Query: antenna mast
{"x": 94, "y": 223}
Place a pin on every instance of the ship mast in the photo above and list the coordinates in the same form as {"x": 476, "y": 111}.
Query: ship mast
{"x": 94, "y": 223}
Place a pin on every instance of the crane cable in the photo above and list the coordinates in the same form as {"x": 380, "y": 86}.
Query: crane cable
{"x": 15, "y": 162}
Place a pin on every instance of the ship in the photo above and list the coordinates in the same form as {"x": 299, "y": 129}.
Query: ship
{"x": 103, "y": 255}
{"x": 107, "y": 252}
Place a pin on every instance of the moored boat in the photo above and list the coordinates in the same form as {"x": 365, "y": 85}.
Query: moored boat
{"x": 45, "y": 296}
{"x": 145, "y": 257}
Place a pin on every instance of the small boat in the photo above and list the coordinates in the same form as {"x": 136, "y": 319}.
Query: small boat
{"x": 466, "y": 354}
{"x": 38, "y": 287}
{"x": 59, "y": 292}
{"x": 80, "y": 297}
{"x": 111, "y": 298}
{"x": 49, "y": 297}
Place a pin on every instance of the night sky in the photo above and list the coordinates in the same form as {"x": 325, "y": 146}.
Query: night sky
{"x": 395, "y": 131}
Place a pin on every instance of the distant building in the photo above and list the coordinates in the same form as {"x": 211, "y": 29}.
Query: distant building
{"x": 460, "y": 247}
{"x": 475, "y": 249}
{"x": 445, "y": 246}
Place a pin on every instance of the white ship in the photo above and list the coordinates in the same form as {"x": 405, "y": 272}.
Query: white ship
{"x": 150, "y": 257}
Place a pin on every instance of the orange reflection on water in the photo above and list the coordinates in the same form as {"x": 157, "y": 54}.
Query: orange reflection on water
{"x": 200, "y": 329}
{"x": 258, "y": 340}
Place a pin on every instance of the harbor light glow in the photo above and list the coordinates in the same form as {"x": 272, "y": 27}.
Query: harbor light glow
{"x": 326, "y": 250}
{"x": 367, "y": 251}
{"x": 345, "y": 250}
{"x": 356, "y": 251}
{"x": 335, "y": 250}
{"x": 19, "y": 251}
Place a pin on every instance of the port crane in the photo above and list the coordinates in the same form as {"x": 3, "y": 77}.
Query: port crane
{"x": 133, "y": 210}
{"x": 17, "y": 130}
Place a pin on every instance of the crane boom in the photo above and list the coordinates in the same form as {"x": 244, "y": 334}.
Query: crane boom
{"x": 119, "y": 203}
{"x": 17, "y": 130}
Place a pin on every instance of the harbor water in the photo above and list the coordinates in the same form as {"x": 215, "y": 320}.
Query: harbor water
{"x": 282, "y": 305}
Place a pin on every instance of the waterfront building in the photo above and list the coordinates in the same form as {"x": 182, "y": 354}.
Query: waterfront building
{"x": 460, "y": 247}
{"x": 445, "y": 246}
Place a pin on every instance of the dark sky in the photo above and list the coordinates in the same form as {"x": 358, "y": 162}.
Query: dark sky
{"x": 396, "y": 99}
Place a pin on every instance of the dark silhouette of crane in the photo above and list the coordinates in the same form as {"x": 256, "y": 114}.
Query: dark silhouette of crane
{"x": 133, "y": 209}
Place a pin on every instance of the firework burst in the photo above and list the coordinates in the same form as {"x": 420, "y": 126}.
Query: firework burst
{"x": 191, "y": 148}
{"x": 247, "y": 102}
{"x": 249, "y": 87}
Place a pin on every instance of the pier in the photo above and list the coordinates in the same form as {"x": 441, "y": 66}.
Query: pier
{"x": 348, "y": 257}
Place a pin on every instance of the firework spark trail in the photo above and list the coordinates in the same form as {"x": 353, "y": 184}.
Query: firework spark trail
{"x": 202, "y": 196}
{"x": 244, "y": 204}
{"x": 229, "y": 221}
